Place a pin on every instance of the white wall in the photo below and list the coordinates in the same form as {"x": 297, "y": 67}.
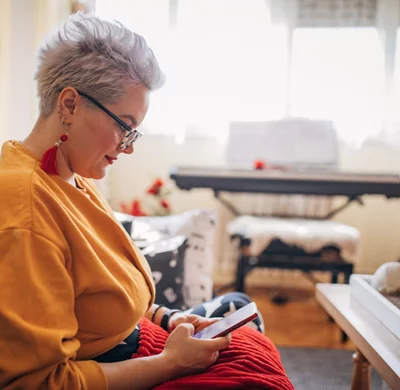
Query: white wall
{"x": 23, "y": 25}
{"x": 378, "y": 219}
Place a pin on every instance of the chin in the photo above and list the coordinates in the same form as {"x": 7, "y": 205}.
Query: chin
{"x": 96, "y": 174}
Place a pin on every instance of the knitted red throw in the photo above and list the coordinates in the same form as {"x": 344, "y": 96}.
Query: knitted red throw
{"x": 250, "y": 362}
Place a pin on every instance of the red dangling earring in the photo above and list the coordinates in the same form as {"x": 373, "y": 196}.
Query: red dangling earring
{"x": 49, "y": 159}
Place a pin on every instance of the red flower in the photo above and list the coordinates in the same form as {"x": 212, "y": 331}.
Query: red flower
{"x": 260, "y": 164}
{"x": 155, "y": 187}
{"x": 137, "y": 209}
{"x": 158, "y": 183}
{"x": 164, "y": 204}
{"x": 153, "y": 190}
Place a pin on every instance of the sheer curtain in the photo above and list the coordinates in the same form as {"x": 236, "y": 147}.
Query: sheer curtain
{"x": 230, "y": 60}
{"x": 338, "y": 73}
{"x": 224, "y": 61}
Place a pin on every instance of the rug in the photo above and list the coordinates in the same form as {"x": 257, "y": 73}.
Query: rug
{"x": 321, "y": 369}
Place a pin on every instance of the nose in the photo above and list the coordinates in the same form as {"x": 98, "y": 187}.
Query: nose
{"x": 129, "y": 149}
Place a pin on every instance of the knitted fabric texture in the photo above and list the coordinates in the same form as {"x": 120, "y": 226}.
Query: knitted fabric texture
{"x": 250, "y": 362}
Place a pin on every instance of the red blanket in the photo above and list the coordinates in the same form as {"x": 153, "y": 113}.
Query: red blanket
{"x": 250, "y": 362}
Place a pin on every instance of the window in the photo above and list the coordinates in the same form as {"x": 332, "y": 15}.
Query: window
{"x": 338, "y": 74}
{"x": 227, "y": 60}
{"x": 223, "y": 60}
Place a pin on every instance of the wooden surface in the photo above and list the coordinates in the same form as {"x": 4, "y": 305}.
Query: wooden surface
{"x": 301, "y": 322}
{"x": 371, "y": 340}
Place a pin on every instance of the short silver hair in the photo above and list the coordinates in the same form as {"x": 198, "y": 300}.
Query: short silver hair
{"x": 95, "y": 56}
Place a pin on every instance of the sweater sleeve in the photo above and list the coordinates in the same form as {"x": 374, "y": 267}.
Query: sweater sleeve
{"x": 37, "y": 322}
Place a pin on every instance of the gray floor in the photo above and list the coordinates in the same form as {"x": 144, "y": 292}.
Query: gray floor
{"x": 321, "y": 369}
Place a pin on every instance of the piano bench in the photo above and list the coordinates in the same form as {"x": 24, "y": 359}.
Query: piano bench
{"x": 293, "y": 243}
{"x": 248, "y": 263}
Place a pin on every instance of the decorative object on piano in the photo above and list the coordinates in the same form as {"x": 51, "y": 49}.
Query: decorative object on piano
{"x": 386, "y": 279}
{"x": 259, "y": 164}
{"x": 155, "y": 202}
{"x": 262, "y": 164}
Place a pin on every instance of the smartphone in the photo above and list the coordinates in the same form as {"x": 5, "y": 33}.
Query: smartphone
{"x": 228, "y": 324}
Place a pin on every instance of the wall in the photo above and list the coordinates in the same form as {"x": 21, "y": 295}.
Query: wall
{"x": 5, "y": 49}
{"x": 378, "y": 219}
{"x": 23, "y": 25}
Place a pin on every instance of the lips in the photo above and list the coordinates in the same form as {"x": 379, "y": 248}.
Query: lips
{"x": 111, "y": 159}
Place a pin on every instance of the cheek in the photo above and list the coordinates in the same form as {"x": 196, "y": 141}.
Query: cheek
{"x": 103, "y": 139}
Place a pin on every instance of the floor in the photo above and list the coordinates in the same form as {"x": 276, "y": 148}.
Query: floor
{"x": 301, "y": 322}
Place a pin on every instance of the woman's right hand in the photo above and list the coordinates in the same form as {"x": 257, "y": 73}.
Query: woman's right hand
{"x": 187, "y": 355}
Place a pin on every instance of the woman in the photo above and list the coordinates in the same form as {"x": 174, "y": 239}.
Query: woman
{"x": 73, "y": 286}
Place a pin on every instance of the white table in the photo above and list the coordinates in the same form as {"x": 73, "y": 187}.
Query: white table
{"x": 372, "y": 347}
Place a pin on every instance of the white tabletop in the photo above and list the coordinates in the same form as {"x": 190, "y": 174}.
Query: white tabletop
{"x": 379, "y": 348}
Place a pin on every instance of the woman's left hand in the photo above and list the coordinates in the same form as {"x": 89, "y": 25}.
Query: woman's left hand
{"x": 198, "y": 322}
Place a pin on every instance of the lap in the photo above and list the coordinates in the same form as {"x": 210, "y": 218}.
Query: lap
{"x": 220, "y": 306}
{"x": 250, "y": 362}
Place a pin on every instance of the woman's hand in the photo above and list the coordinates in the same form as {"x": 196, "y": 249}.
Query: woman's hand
{"x": 198, "y": 322}
{"x": 187, "y": 355}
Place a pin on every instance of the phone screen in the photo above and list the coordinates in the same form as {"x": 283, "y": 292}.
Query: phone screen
{"x": 228, "y": 324}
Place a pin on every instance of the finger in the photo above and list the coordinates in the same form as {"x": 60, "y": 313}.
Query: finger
{"x": 215, "y": 319}
{"x": 215, "y": 356}
{"x": 206, "y": 322}
{"x": 222, "y": 342}
{"x": 180, "y": 320}
{"x": 194, "y": 319}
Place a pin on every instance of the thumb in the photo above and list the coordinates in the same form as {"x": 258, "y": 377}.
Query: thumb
{"x": 221, "y": 342}
{"x": 185, "y": 328}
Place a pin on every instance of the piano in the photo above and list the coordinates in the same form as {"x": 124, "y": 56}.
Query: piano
{"x": 302, "y": 182}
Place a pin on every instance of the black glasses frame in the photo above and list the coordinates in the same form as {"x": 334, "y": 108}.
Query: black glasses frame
{"x": 131, "y": 134}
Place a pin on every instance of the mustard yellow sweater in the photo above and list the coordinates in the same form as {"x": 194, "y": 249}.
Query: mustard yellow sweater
{"x": 72, "y": 284}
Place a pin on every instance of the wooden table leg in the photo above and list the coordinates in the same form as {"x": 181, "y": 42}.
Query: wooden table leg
{"x": 361, "y": 372}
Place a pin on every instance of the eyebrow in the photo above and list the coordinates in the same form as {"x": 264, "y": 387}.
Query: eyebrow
{"x": 134, "y": 121}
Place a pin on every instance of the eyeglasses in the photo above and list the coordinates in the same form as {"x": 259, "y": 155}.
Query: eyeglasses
{"x": 131, "y": 135}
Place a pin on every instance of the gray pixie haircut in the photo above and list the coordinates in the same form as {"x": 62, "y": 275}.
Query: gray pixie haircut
{"x": 95, "y": 56}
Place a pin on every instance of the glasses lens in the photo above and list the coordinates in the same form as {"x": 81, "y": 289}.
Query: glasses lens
{"x": 135, "y": 135}
{"x": 130, "y": 138}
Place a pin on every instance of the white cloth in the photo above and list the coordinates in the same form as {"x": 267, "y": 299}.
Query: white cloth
{"x": 310, "y": 235}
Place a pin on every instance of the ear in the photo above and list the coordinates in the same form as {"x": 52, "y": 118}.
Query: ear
{"x": 68, "y": 101}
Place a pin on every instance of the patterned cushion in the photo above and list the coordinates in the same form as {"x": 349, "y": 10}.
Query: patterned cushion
{"x": 166, "y": 259}
{"x": 194, "y": 257}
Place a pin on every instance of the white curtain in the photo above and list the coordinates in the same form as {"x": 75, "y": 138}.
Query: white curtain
{"x": 224, "y": 61}
{"x": 230, "y": 60}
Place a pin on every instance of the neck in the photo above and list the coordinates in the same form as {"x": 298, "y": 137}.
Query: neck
{"x": 46, "y": 132}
